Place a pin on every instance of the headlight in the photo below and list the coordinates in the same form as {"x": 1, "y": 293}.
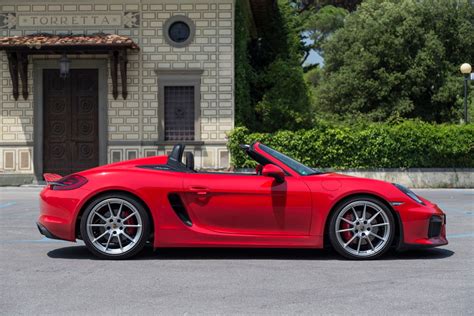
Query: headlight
{"x": 409, "y": 192}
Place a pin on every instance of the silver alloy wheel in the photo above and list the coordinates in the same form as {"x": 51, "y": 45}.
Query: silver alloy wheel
{"x": 114, "y": 226}
{"x": 362, "y": 228}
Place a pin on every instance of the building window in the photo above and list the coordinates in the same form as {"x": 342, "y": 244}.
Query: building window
{"x": 179, "y": 113}
{"x": 179, "y": 31}
{"x": 179, "y": 101}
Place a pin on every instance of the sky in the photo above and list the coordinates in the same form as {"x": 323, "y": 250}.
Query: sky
{"x": 313, "y": 57}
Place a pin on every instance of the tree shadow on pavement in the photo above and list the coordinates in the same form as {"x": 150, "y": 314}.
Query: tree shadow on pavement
{"x": 81, "y": 252}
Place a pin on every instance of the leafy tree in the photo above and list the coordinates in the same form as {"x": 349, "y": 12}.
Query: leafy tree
{"x": 313, "y": 76}
{"x": 304, "y": 5}
{"x": 285, "y": 104}
{"x": 244, "y": 73}
{"x": 283, "y": 101}
{"x": 273, "y": 93}
{"x": 399, "y": 58}
{"x": 317, "y": 25}
{"x": 323, "y": 23}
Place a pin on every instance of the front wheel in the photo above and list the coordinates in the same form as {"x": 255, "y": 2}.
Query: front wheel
{"x": 115, "y": 226}
{"x": 362, "y": 228}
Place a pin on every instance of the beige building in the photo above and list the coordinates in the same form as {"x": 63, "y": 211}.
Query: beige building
{"x": 143, "y": 75}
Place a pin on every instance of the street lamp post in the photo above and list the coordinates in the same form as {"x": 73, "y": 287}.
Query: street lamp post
{"x": 466, "y": 71}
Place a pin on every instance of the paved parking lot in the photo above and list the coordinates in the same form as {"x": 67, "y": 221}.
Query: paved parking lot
{"x": 41, "y": 276}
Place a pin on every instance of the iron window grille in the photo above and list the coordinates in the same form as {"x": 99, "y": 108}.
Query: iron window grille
{"x": 179, "y": 113}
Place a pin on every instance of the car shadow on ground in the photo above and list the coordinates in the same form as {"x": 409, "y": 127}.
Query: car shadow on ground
{"x": 81, "y": 252}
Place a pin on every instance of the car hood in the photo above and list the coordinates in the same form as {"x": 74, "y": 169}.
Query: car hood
{"x": 333, "y": 181}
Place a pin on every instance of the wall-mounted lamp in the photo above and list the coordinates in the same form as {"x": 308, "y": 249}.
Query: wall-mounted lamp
{"x": 64, "y": 64}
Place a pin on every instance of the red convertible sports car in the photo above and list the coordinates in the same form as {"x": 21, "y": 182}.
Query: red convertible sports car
{"x": 116, "y": 209}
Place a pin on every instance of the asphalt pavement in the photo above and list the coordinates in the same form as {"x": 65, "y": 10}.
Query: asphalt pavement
{"x": 42, "y": 276}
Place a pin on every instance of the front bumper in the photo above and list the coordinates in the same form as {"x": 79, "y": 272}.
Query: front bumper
{"x": 423, "y": 226}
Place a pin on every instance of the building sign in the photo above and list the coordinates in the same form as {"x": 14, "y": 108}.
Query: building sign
{"x": 69, "y": 20}
{"x": 16, "y": 20}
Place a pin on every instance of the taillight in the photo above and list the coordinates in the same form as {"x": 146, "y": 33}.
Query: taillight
{"x": 71, "y": 182}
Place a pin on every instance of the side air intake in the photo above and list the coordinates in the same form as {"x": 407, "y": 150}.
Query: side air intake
{"x": 179, "y": 209}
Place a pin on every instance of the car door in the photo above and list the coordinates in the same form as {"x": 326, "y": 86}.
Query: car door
{"x": 248, "y": 204}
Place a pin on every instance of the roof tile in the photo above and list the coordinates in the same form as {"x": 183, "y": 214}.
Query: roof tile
{"x": 44, "y": 39}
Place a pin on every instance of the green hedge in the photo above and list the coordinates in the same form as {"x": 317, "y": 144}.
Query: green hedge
{"x": 409, "y": 144}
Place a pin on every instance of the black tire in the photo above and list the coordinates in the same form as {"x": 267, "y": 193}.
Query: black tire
{"x": 133, "y": 248}
{"x": 362, "y": 232}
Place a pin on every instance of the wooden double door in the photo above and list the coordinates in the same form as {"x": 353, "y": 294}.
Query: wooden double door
{"x": 70, "y": 121}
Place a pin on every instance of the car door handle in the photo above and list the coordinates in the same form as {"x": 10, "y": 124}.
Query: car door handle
{"x": 199, "y": 190}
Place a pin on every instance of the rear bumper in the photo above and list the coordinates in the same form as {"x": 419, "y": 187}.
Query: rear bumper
{"x": 45, "y": 232}
{"x": 58, "y": 213}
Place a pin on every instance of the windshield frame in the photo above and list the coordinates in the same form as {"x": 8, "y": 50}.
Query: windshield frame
{"x": 291, "y": 163}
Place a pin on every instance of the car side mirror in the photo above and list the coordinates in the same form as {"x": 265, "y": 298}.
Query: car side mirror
{"x": 274, "y": 171}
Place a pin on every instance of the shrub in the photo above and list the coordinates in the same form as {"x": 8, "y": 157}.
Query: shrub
{"x": 406, "y": 144}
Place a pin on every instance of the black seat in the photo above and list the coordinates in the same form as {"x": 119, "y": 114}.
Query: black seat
{"x": 175, "y": 159}
{"x": 177, "y": 153}
{"x": 190, "y": 160}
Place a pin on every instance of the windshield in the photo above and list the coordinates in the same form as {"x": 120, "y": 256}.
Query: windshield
{"x": 290, "y": 162}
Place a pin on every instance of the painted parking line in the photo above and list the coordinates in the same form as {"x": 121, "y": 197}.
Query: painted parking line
{"x": 5, "y": 205}
{"x": 462, "y": 235}
{"x": 460, "y": 213}
{"x": 42, "y": 240}
{"x": 449, "y": 210}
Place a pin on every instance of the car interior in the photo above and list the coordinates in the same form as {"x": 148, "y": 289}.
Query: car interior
{"x": 175, "y": 160}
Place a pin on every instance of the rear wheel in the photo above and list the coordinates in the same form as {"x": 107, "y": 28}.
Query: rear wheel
{"x": 115, "y": 226}
{"x": 362, "y": 228}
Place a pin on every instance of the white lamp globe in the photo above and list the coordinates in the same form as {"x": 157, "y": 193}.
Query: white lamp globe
{"x": 466, "y": 68}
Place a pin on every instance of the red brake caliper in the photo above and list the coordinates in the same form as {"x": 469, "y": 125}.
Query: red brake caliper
{"x": 347, "y": 235}
{"x": 129, "y": 230}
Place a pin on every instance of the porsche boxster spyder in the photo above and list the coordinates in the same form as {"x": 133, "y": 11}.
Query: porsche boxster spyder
{"x": 118, "y": 208}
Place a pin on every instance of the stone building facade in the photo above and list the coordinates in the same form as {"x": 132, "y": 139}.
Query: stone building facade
{"x": 182, "y": 71}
